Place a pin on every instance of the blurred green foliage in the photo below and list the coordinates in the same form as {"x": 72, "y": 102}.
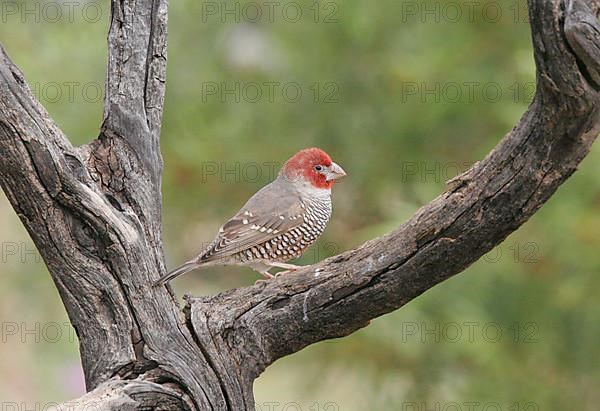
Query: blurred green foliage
{"x": 408, "y": 97}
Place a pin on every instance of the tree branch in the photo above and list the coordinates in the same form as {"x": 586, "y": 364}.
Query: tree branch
{"x": 135, "y": 81}
{"x": 119, "y": 395}
{"x": 45, "y": 179}
{"x": 481, "y": 208}
{"x": 94, "y": 214}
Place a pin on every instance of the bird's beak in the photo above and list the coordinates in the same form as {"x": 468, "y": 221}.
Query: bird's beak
{"x": 334, "y": 172}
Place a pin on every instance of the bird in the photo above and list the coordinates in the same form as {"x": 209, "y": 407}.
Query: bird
{"x": 276, "y": 224}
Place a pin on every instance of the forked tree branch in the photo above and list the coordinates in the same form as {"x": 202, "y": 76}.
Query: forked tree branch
{"x": 94, "y": 214}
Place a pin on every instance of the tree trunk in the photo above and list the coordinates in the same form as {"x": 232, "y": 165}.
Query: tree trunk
{"x": 94, "y": 212}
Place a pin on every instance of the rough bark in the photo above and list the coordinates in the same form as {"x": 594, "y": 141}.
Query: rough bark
{"x": 94, "y": 212}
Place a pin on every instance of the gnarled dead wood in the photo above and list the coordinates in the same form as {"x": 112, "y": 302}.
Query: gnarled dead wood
{"x": 94, "y": 214}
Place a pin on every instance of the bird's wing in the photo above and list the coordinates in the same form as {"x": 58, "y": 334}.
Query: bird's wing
{"x": 271, "y": 212}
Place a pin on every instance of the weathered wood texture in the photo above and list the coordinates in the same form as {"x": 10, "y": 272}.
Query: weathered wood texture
{"x": 94, "y": 213}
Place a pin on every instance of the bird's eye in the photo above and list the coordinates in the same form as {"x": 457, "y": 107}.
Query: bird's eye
{"x": 319, "y": 168}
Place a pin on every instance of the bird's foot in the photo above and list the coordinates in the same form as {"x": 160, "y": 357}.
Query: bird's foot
{"x": 288, "y": 268}
{"x": 268, "y": 276}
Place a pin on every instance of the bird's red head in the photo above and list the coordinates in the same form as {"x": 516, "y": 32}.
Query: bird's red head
{"x": 315, "y": 166}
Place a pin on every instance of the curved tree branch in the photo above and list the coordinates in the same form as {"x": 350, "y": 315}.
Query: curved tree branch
{"x": 480, "y": 209}
{"x": 94, "y": 214}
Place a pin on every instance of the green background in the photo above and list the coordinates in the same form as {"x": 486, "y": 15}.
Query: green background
{"x": 409, "y": 94}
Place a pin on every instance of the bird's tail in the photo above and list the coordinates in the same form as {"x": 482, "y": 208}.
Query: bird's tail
{"x": 182, "y": 269}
